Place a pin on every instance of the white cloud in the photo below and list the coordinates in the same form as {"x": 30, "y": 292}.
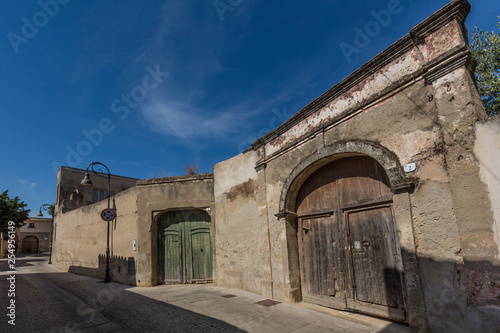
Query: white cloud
{"x": 183, "y": 121}
{"x": 187, "y": 104}
{"x": 27, "y": 185}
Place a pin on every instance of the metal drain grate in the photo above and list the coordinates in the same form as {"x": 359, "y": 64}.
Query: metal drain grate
{"x": 267, "y": 302}
{"x": 229, "y": 296}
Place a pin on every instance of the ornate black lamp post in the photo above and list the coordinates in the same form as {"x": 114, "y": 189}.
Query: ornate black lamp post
{"x": 87, "y": 182}
{"x": 48, "y": 207}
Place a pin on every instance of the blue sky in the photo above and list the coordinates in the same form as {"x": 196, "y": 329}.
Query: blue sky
{"x": 147, "y": 87}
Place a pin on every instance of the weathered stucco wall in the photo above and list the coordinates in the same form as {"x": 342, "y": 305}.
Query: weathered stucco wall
{"x": 487, "y": 151}
{"x": 484, "y": 276}
{"x": 159, "y": 195}
{"x": 80, "y": 239}
{"x": 238, "y": 225}
{"x": 80, "y": 234}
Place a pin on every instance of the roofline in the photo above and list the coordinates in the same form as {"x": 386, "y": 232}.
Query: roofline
{"x": 39, "y": 219}
{"x": 175, "y": 179}
{"x": 453, "y": 10}
{"x": 83, "y": 170}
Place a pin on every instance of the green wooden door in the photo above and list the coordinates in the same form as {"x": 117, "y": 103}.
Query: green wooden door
{"x": 201, "y": 251}
{"x": 185, "y": 246}
{"x": 172, "y": 252}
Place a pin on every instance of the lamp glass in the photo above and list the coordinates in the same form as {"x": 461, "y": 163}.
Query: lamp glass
{"x": 86, "y": 180}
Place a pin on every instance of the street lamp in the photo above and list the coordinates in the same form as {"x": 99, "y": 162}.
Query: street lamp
{"x": 87, "y": 182}
{"x": 48, "y": 207}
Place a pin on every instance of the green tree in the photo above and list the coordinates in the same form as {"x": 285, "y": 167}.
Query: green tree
{"x": 11, "y": 209}
{"x": 51, "y": 209}
{"x": 485, "y": 48}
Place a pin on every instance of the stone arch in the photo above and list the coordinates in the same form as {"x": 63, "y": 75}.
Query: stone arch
{"x": 401, "y": 187}
{"x": 386, "y": 158}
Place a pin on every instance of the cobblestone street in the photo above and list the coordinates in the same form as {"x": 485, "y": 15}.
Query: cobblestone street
{"x": 48, "y": 300}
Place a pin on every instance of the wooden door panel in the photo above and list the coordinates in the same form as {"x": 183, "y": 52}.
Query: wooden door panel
{"x": 337, "y": 269}
{"x": 172, "y": 248}
{"x": 184, "y": 246}
{"x": 360, "y": 179}
{"x": 373, "y": 255}
{"x": 321, "y": 257}
{"x": 201, "y": 253}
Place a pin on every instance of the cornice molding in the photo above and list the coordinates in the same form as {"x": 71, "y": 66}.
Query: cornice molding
{"x": 457, "y": 9}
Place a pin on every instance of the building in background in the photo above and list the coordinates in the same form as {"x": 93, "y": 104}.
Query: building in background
{"x": 71, "y": 194}
{"x": 35, "y": 235}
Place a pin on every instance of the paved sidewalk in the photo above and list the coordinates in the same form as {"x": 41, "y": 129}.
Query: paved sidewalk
{"x": 54, "y": 301}
{"x": 242, "y": 310}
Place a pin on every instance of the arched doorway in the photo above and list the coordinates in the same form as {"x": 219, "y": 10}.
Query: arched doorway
{"x": 185, "y": 247}
{"x": 348, "y": 250}
{"x": 30, "y": 244}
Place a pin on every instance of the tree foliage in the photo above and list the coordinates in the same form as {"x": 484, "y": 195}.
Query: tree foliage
{"x": 485, "y": 48}
{"x": 51, "y": 209}
{"x": 11, "y": 209}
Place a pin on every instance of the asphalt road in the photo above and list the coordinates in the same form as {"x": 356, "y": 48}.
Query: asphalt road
{"x": 48, "y": 300}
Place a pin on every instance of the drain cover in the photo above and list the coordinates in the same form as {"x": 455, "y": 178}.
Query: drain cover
{"x": 229, "y": 296}
{"x": 267, "y": 302}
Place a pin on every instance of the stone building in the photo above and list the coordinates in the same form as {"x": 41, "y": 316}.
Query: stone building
{"x": 377, "y": 197}
{"x": 34, "y": 235}
{"x": 136, "y": 256}
{"x": 71, "y": 194}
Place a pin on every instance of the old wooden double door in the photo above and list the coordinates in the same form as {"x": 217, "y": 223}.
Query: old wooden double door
{"x": 349, "y": 258}
{"x": 30, "y": 244}
{"x": 185, "y": 247}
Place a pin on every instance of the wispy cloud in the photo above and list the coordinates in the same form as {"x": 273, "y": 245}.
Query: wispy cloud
{"x": 26, "y": 185}
{"x": 184, "y": 121}
{"x": 205, "y": 97}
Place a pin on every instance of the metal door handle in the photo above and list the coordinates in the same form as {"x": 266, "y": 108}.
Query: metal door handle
{"x": 306, "y": 228}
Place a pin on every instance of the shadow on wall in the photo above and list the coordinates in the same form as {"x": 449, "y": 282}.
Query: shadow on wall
{"x": 469, "y": 289}
{"x": 121, "y": 269}
{"x": 458, "y": 296}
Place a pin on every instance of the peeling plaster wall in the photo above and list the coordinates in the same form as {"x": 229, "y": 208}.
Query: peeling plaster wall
{"x": 484, "y": 279}
{"x": 487, "y": 151}
{"x": 238, "y": 228}
{"x": 448, "y": 37}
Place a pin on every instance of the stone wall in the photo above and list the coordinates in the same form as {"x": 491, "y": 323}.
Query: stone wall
{"x": 80, "y": 234}
{"x": 159, "y": 195}
{"x": 241, "y": 225}
{"x": 80, "y": 238}
{"x": 484, "y": 244}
